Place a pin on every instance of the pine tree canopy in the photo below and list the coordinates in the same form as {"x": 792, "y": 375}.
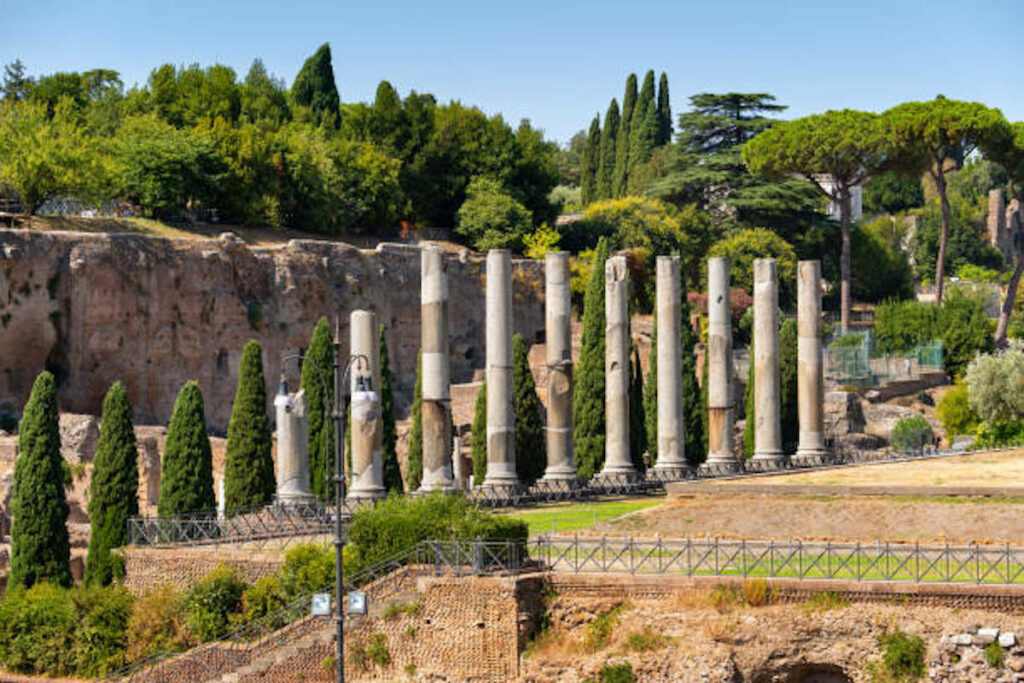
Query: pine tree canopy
{"x": 113, "y": 489}
{"x": 531, "y": 446}
{"x": 249, "y": 481}
{"x": 588, "y": 386}
{"x": 318, "y": 383}
{"x": 389, "y": 452}
{"x": 187, "y": 482}
{"x": 40, "y": 549}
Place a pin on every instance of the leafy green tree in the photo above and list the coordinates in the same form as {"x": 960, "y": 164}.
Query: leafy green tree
{"x": 531, "y": 445}
{"x": 1006, "y": 147}
{"x": 590, "y": 162}
{"x": 606, "y": 161}
{"x": 588, "y": 387}
{"x": 892, "y": 192}
{"x": 620, "y": 174}
{"x": 414, "y": 459}
{"x": 637, "y": 413}
{"x": 264, "y": 98}
{"x": 187, "y": 482}
{"x": 664, "y": 113}
{"x": 846, "y": 146}
{"x": 314, "y": 87}
{"x": 389, "y": 440}
{"x": 479, "y": 445}
{"x": 884, "y": 272}
{"x": 745, "y": 246}
{"x": 40, "y": 549}
{"x": 113, "y": 489}
{"x": 317, "y": 380}
{"x": 491, "y": 218}
{"x": 248, "y": 468}
{"x": 931, "y": 135}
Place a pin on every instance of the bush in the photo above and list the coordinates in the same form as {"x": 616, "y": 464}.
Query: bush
{"x": 756, "y": 592}
{"x": 157, "y": 623}
{"x": 911, "y": 434}
{"x": 853, "y": 340}
{"x": 646, "y": 640}
{"x": 598, "y": 631}
{"x": 307, "y": 568}
{"x": 993, "y": 385}
{"x": 994, "y": 654}
{"x": 213, "y": 605}
{"x": 954, "y": 410}
{"x": 101, "y": 633}
{"x": 265, "y": 596}
{"x": 616, "y": 673}
{"x": 999, "y": 433}
{"x": 902, "y": 656}
{"x": 399, "y": 523}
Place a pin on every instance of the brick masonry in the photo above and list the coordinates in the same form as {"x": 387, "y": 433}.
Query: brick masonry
{"x": 147, "y": 568}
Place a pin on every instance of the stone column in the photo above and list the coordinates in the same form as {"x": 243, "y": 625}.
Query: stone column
{"x": 292, "y": 447}
{"x": 810, "y": 366}
{"x": 501, "y": 425}
{"x": 559, "y": 359}
{"x": 365, "y": 425}
{"x": 436, "y": 405}
{"x": 721, "y": 407}
{"x": 617, "y": 463}
{"x": 671, "y": 462}
{"x": 767, "y": 389}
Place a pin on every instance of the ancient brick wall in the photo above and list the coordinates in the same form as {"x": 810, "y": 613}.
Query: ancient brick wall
{"x": 147, "y": 568}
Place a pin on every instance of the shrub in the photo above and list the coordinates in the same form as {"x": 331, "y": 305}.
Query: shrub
{"x": 598, "y": 630}
{"x": 954, "y": 410}
{"x": 756, "y": 592}
{"x": 212, "y": 604}
{"x": 377, "y": 651}
{"x": 724, "y": 598}
{"x": 823, "y": 602}
{"x": 616, "y": 673}
{"x": 902, "y": 656}
{"x": 911, "y": 434}
{"x": 38, "y": 630}
{"x": 854, "y": 340}
{"x": 265, "y": 596}
{"x": 157, "y": 623}
{"x": 646, "y": 640}
{"x": 993, "y": 385}
{"x": 994, "y": 655}
{"x": 307, "y": 568}
{"x": 101, "y": 631}
{"x": 998, "y": 433}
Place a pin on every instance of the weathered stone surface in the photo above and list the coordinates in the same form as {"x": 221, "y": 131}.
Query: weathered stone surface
{"x": 843, "y": 414}
{"x": 1007, "y": 639}
{"x": 155, "y": 312}
{"x": 79, "y": 435}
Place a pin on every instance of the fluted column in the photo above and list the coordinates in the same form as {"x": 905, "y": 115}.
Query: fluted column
{"x": 292, "y": 447}
{"x": 366, "y": 433}
{"x": 501, "y": 441}
{"x": 617, "y": 463}
{"x": 435, "y": 373}
{"x": 558, "y": 346}
{"x": 671, "y": 463}
{"x": 767, "y": 384}
{"x": 721, "y": 405}
{"x": 810, "y": 366}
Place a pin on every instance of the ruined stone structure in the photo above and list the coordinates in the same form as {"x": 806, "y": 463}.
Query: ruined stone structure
{"x": 367, "y": 434}
{"x": 436, "y": 372}
{"x": 292, "y": 447}
{"x": 1005, "y": 225}
{"x": 617, "y": 463}
{"x": 671, "y": 462}
{"x": 767, "y": 383}
{"x": 558, "y": 348}
{"x": 501, "y": 423}
{"x": 155, "y": 312}
{"x": 810, "y": 380}
{"x": 721, "y": 401}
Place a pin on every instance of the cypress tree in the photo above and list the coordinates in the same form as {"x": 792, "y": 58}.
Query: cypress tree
{"x": 389, "y": 452}
{"x": 664, "y": 113}
{"x": 317, "y": 381}
{"x": 40, "y": 548}
{"x": 606, "y": 162}
{"x": 788, "y": 410}
{"x": 314, "y": 87}
{"x": 589, "y": 163}
{"x": 113, "y": 490}
{"x": 187, "y": 483}
{"x": 249, "y": 481}
{"x": 637, "y": 416}
{"x": 588, "y": 388}
{"x": 651, "y": 396}
{"x": 414, "y": 462}
{"x": 479, "y": 446}
{"x": 620, "y": 176}
{"x": 531, "y": 446}
{"x": 749, "y": 409}
{"x": 694, "y": 401}
{"x": 643, "y": 128}
{"x": 704, "y": 409}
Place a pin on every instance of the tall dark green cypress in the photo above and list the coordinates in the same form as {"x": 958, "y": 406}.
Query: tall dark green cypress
{"x": 651, "y": 395}
{"x": 749, "y": 409}
{"x": 187, "y": 482}
{"x": 606, "y": 162}
{"x": 113, "y": 489}
{"x": 414, "y": 461}
{"x": 531, "y": 446}
{"x": 249, "y": 481}
{"x": 590, "y": 162}
{"x": 664, "y": 113}
{"x": 40, "y": 548}
{"x": 620, "y": 176}
{"x": 704, "y": 408}
{"x": 694, "y": 406}
{"x": 479, "y": 446}
{"x": 314, "y": 87}
{"x": 318, "y": 382}
{"x": 588, "y": 387}
{"x": 637, "y": 413}
{"x": 643, "y": 128}
{"x": 788, "y": 410}
{"x": 389, "y": 440}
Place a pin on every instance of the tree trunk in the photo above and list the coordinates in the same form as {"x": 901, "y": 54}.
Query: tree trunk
{"x": 1007, "y": 309}
{"x": 844, "y": 262}
{"x": 940, "y": 265}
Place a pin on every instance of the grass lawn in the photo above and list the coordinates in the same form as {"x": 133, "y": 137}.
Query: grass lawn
{"x": 577, "y": 516}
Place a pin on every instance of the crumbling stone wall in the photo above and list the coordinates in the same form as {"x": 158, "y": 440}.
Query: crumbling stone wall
{"x": 147, "y": 568}
{"x": 155, "y": 312}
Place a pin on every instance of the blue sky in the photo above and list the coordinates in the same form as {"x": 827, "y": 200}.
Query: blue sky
{"x": 558, "y": 62}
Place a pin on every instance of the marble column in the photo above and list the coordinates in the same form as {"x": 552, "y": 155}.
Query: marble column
{"x": 558, "y": 347}
{"x": 721, "y": 402}
{"x": 671, "y": 463}
{"x": 435, "y": 371}
{"x": 810, "y": 366}
{"x": 365, "y": 425}
{"x": 617, "y": 463}
{"x": 767, "y": 384}
{"x": 292, "y": 447}
{"x": 501, "y": 425}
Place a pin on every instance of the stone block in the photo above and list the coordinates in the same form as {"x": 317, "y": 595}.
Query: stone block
{"x": 962, "y": 639}
{"x": 1007, "y": 639}
{"x": 79, "y": 435}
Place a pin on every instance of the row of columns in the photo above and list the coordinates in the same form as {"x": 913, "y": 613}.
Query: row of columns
{"x": 367, "y": 468}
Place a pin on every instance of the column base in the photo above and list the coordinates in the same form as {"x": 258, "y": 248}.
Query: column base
{"x": 367, "y": 494}
{"x": 560, "y": 473}
{"x": 670, "y": 472}
{"x": 556, "y": 488}
{"x": 811, "y": 459}
{"x": 497, "y": 495}
{"x": 767, "y": 463}
{"x": 294, "y": 500}
{"x": 718, "y": 468}
{"x": 615, "y": 479}
{"x": 433, "y": 487}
